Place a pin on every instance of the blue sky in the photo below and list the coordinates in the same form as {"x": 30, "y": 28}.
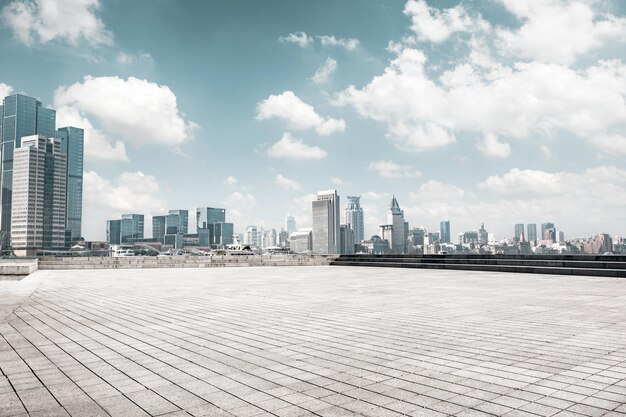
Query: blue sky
{"x": 494, "y": 111}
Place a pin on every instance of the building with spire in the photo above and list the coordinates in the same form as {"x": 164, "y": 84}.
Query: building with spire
{"x": 354, "y": 218}
{"x": 395, "y": 229}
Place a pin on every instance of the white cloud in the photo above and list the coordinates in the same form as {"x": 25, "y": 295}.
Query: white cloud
{"x": 372, "y": 195}
{"x": 230, "y": 181}
{"x": 558, "y": 31}
{"x": 5, "y": 90}
{"x": 610, "y": 143}
{"x": 435, "y": 25}
{"x": 525, "y": 183}
{"x": 390, "y": 169}
{"x": 138, "y": 111}
{"x": 97, "y": 145}
{"x": 127, "y": 59}
{"x": 323, "y": 73}
{"x": 289, "y": 147}
{"x": 491, "y": 147}
{"x": 240, "y": 200}
{"x": 299, "y": 38}
{"x": 508, "y": 101}
{"x": 436, "y": 191}
{"x": 131, "y": 192}
{"x": 301, "y": 210}
{"x": 43, "y": 21}
{"x": 297, "y": 114}
{"x": 286, "y": 183}
{"x": 349, "y": 44}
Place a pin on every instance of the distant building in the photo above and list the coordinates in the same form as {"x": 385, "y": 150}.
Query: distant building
{"x": 114, "y": 232}
{"x": 269, "y": 238}
{"x": 290, "y": 224}
{"x": 354, "y": 218}
{"x": 283, "y": 239}
{"x": 444, "y": 231}
{"x": 158, "y": 228}
{"x": 183, "y": 220}
{"x": 208, "y": 215}
{"x": 483, "y": 235}
{"x": 251, "y": 236}
{"x": 376, "y": 245}
{"x": 532, "y": 232}
{"x": 326, "y": 239}
{"x": 548, "y": 232}
{"x": 519, "y": 232}
{"x": 395, "y": 229}
{"x": 416, "y": 236}
{"x": 39, "y": 195}
{"x": 301, "y": 241}
{"x": 346, "y": 239}
{"x": 132, "y": 227}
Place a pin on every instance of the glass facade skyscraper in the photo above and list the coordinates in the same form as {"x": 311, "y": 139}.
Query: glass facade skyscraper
{"x": 183, "y": 220}
{"x": 444, "y": 231}
{"x": 72, "y": 144}
{"x": 208, "y": 215}
{"x": 325, "y": 214}
{"x": 22, "y": 116}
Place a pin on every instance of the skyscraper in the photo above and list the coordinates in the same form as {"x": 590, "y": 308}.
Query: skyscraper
{"x": 131, "y": 228}
{"x": 519, "y": 232}
{"x": 208, "y": 215}
{"x": 114, "y": 232}
{"x": 532, "y": 232}
{"x": 183, "y": 220}
{"x": 158, "y": 228}
{"x": 250, "y": 237}
{"x": 39, "y": 180}
{"x": 483, "y": 236}
{"x": 290, "y": 224}
{"x": 22, "y": 116}
{"x": 72, "y": 144}
{"x": 325, "y": 210}
{"x": 444, "y": 231}
{"x": 354, "y": 218}
{"x": 548, "y": 231}
{"x": 395, "y": 218}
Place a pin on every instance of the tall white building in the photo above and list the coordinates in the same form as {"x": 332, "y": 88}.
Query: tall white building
{"x": 250, "y": 236}
{"x": 354, "y": 218}
{"x": 38, "y": 215}
{"x": 326, "y": 234}
{"x": 395, "y": 218}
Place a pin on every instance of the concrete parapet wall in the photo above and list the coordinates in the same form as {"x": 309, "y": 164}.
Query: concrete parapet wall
{"x": 18, "y": 266}
{"x": 136, "y": 262}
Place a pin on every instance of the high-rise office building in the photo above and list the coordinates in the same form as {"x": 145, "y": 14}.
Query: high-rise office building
{"x": 22, "y": 116}
{"x": 354, "y": 218}
{"x": 73, "y": 144}
{"x": 290, "y": 224}
{"x": 548, "y": 231}
{"x": 39, "y": 180}
{"x": 131, "y": 228}
{"x": 221, "y": 234}
{"x": 519, "y": 233}
{"x": 444, "y": 231}
{"x": 326, "y": 222}
{"x": 346, "y": 239}
{"x": 183, "y": 220}
{"x": 114, "y": 232}
{"x": 208, "y": 215}
{"x": 532, "y": 232}
{"x": 158, "y": 228}
{"x": 395, "y": 218}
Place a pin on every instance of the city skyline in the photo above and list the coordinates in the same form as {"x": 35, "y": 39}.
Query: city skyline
{"x": 257, "y": 119}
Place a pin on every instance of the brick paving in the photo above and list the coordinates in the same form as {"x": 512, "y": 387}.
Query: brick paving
{"x": 311, "y": 341}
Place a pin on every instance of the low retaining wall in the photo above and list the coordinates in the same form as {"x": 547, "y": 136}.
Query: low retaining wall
{"x": 18, "y": 267}
{"x": 134, "y": 262}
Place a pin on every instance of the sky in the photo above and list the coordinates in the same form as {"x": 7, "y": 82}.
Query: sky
{"x": 494, "y": 111}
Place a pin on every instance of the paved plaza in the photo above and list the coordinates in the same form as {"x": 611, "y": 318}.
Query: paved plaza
{"x": 311, "y": 341}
